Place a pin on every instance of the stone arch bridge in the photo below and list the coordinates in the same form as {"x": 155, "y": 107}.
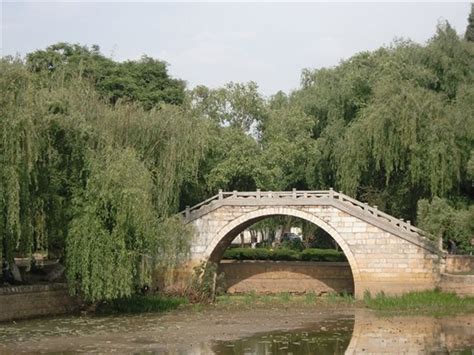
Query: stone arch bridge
{"x": 385, "y": 253}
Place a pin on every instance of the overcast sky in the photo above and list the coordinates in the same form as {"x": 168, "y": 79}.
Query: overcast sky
{"x": 214, "y": 43}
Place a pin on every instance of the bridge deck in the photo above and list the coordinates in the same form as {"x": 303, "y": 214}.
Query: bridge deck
{"x": 313, "y": 198}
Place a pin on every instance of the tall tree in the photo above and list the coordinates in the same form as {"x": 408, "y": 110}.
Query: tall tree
{"x": 146, "y": 80}
{"x": 469, "y": 35}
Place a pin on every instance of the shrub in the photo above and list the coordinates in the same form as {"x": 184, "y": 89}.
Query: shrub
{"x": 287, "y": 254}
{"x": 140, "y": 304}
{"x": 322, "y": 255}
{"x": 294, "y": 244}
{"x": 263, "y": 254}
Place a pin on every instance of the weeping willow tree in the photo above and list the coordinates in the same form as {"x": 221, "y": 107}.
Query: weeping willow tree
{"x": 113, "y": 227}
{"x": 90, "y": 182}
{"x": 20, "y": 149}
{"x": 394, "y": 125}
{"x": 413, "y": 137}
{"x": 404, "y": 130}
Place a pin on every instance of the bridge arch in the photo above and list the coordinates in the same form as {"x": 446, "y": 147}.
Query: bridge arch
{"x": 228, "y": 232}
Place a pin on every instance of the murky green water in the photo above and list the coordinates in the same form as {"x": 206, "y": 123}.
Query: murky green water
{"x": 203, "y": 333}
{"x": 362, "y": 335}
{"x": 303, "y": 341}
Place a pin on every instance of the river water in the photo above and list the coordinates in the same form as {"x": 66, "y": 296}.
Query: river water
{"x": 220, "y": 331}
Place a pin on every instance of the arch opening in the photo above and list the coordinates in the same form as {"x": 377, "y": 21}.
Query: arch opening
{"x": 223, "y": 238}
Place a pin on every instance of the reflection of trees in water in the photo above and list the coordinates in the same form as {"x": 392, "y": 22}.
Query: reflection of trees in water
{"x": 329, "y": 336}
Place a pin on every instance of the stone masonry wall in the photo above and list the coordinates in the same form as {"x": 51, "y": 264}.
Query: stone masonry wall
{"x": 379, "y": 260}
{"x": 462, "y": 285}
{"x": 21, "y": 302}
{"x": 459, "y": 263}
{"x": 286, "y": 276}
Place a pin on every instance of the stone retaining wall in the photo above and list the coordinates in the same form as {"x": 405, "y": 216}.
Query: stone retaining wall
{"x": 286, "y": 276}
{"x": 459, "y": 263}
{"x": 463, "y": 285}
{"x": 21, "y": 302}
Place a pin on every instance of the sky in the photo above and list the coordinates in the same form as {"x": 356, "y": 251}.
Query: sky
{"x": 215, "y": 43}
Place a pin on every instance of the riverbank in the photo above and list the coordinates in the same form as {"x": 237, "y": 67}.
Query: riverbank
{"x": 429, "y": 303}
{"x": 187, "y": 328}
{"x": 425, "y": 303}
{"x": 223, "y": 328}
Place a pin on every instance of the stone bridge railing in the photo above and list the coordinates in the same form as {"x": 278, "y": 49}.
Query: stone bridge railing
{"x": 323, "y": 197}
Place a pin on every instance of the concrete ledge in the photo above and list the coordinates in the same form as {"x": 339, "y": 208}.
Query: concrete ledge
{"x": 21, "y": 302}
{"x": 10, "y": 290}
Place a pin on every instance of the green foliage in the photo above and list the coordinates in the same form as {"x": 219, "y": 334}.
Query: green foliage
{"x": 469, "y": 35}
{"x": 248, "y": 254}
{"x": 293, "y": 244}
{"x": 91, "y": 182}
{"x": 394, "y": 125}
{"x": 112, "y": 228}
{"x": 95, "y": 155}
{"x": 145, "y": 81}
{"x": 434, "y": 303}
{"x": 442, "y": 219}
{"x": 286, "y": 254}
{"x": 140, "y": 304}
{"x": 235, "y": 105}
{"x": 314, "y": 254}
{"x": 287, "y": 146}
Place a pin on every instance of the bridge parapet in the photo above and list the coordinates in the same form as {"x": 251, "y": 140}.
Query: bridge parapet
{"x": 329, "y": 197}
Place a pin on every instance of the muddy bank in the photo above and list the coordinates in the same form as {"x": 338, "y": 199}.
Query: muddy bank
{"x": 246, "y": 329}
{"x": 179, "y": 330}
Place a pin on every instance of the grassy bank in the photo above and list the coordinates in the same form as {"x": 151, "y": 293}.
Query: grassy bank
{"x": 283, "y": 299}
{"x": 141, "y": 304}
{"x": 432, "y": 302}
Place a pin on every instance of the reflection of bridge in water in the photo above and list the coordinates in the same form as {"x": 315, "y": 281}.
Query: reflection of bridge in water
{"x": 364, "y": 333}
{"x": 385, "y": 253}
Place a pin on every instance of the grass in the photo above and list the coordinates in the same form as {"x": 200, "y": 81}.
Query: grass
{"x": 343, "y": 297}
{"x": 254, "y": 300}
{"x": 434, "y": 303}
{"x": 141, "y": 304}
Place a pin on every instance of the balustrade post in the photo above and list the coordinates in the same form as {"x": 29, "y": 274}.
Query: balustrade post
{"x": 221, "y": 195}
{"x": 269, "y": 194}
{"x": 234, "y": 193}
{"x": 187, "y": 212}
{"x": 331, "y": 192}
{"x": 294, "y": 194}
{"x": 258, "y": 194}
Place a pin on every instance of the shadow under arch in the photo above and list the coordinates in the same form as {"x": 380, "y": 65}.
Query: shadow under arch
{"x": 226, "y": 234}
